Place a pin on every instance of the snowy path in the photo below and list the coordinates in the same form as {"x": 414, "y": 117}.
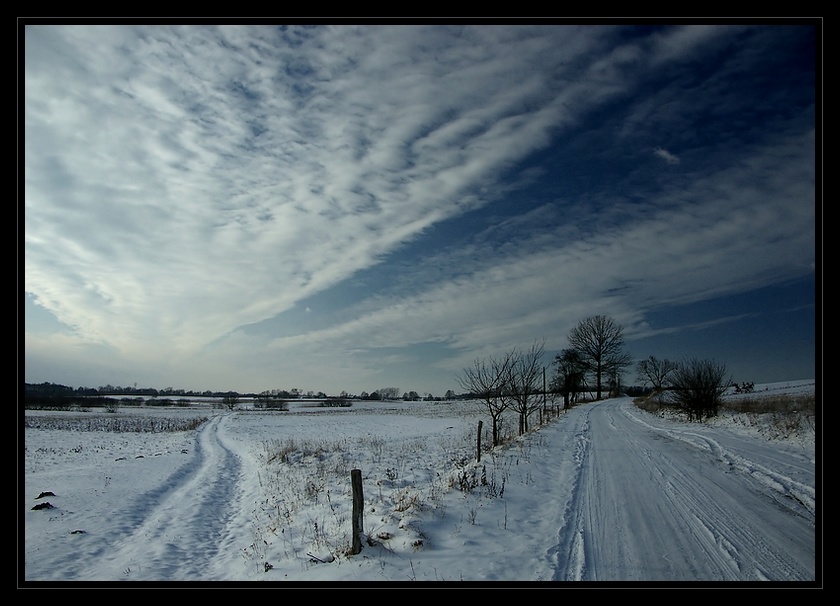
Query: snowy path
{"x": 181, "y": 527}
{"x": 664, "y": 504}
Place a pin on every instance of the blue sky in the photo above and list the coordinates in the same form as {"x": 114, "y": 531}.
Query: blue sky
{"x": 350, "y": 207}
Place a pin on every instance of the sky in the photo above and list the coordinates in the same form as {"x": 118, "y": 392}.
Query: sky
{"x": 732, "y": 499}
{"x": 344, "y": 207}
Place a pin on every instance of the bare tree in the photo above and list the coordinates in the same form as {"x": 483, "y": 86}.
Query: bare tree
{"x": 655, "y": 371}
{"x": 525, "y": 382}
{"x": 600, "y": 342}
{"x": 485, "y": 380}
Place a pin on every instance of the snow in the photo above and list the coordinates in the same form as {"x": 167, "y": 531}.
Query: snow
{"x": 603, "y": 492}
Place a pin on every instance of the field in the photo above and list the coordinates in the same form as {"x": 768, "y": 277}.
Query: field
{"x": 198, "y": 493}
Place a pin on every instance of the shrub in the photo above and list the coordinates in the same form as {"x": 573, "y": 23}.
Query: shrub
{"x": 270, "y": 403}
{"x": 696, "y": 387}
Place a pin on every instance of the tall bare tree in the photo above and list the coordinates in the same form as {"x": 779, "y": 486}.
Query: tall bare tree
{"x": 525, "y": 382}
{"x": 486, "y": 380}
{"x": 600, "y": 342}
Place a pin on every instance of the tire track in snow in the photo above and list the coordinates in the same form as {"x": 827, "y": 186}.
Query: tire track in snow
{"x": 724, "y": 539}
{"x": 191, "y": 512}
{"x": 643, "y": 510}
{"x": 568, "y": 557}
{"x": 793, "y": 490}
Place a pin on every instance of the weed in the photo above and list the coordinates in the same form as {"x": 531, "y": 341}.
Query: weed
{"x": 471, "y": 515}
{"x": 406, "y": 499}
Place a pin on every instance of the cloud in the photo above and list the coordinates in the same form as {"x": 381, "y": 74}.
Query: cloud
{"x": 723, "y": 237}
{"x": 219, "y": 175}
{"x": 666, "y": 155}
{"x": 185, "y": 182}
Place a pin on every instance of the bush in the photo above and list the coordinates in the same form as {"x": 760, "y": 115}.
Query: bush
{"x": 696, "y": 388}
{"x": 270, "y": 403}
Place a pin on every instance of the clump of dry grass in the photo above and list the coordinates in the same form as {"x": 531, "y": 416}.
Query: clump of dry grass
{"x": 657, "y": 402}
{"x": 653, "y": 402}
{"x": 776, "y": 417}
{"x": 805, "y": 404}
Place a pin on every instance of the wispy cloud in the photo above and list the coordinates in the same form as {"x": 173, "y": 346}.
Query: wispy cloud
{"x": 666, "y": 155}
{"x": 219, "y": 176}
{"x": 183, "y": 182}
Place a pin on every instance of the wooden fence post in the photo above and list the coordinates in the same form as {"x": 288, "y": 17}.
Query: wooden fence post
{"x": 478, "y": 443}
{"x": 544, "y": 411}
{"x": 358, "y": 510}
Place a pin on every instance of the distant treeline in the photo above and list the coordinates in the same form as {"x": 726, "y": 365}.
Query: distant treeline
{"x": 55, "y": 389}
{"x": 54, "y": 395}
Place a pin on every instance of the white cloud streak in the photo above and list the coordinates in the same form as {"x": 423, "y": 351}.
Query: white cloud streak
{"x": 208, "y": 182}
{"x": 184, "y": 181}
{"x": 666, "y": 155}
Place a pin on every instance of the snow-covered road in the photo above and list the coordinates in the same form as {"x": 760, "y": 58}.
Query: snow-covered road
{"x": 658, "y": 503}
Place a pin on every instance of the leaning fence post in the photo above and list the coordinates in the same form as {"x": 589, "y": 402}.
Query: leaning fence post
{"x": 358, "y": 510}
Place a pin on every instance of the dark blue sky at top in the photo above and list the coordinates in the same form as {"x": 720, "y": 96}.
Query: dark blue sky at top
{"x": 666, "y": 177}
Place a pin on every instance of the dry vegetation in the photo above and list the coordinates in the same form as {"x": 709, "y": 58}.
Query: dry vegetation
{"x": 149, "y": 424}
{"x": 772, "y": 416}
{"x": 298, "y": 474}
{"x": 805, "y": 404}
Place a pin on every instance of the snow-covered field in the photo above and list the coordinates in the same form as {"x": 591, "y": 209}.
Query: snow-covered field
{"x": 603, "y": 492}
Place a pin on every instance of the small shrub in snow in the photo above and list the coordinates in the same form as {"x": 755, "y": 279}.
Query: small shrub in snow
{"x": 406, "y": 499}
